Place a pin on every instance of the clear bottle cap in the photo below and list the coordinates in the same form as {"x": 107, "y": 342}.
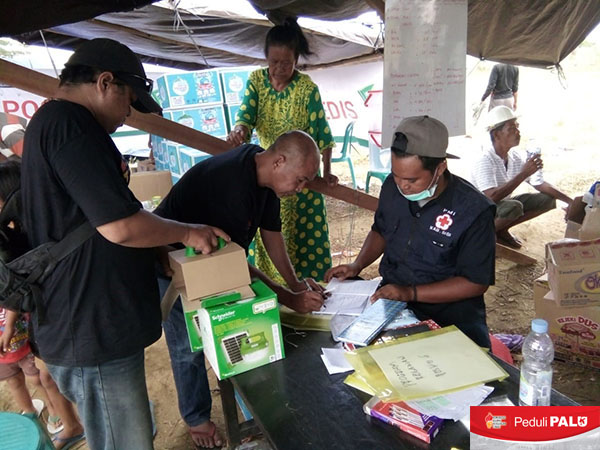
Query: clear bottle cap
{"x": 539, "y": 325}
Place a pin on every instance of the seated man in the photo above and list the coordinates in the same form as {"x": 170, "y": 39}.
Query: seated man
{"x": 238, "y": 190}
{"x": 435, "y": 231}
{"x": 500, "y": 169}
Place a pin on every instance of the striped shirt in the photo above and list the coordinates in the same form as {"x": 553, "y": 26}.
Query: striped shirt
{"x": 489, "y": 171}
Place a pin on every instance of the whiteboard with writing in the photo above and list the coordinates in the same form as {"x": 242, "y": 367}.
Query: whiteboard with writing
{"x": 425, "y": 62}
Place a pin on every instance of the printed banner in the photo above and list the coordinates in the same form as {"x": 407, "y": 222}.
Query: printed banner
{"x": 567, "y": 427}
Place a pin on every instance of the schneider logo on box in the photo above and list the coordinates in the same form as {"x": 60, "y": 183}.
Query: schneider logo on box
{"x": 263, "y": 307}
{"x": 221, "y": 317}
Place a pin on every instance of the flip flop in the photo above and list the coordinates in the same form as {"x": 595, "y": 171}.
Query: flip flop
{"x": 54, "y": 425}
{"x": 69, "y": 442}
{"x": 508, "y": 240}
{"x": 39, "y": 406}
{"x": 205, "y": 434}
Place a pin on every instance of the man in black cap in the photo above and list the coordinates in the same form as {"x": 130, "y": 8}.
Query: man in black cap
{"x": 435, "y": 231}
{"x": 101, "y": 302}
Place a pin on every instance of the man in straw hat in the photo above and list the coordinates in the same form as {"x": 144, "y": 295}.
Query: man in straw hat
{"x": 435, "y": 231}
{"x": 101, "y": 302}
{"x": 501, "y": 169}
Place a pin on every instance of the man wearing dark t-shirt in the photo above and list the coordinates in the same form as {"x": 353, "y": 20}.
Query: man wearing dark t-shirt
{"x": 238, "y": 192}
{"x": 101, "y": 302}
{"x": 503, "y": 85}
{"x": 435, "y": 231}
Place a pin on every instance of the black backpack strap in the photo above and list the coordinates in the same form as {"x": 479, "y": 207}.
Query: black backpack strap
{"x": 71, "y": 241}
{"x": 60, "y": 250}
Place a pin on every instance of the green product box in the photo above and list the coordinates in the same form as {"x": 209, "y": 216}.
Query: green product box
{"x": 239, "y": 335}
{"x": 191, "y": 312}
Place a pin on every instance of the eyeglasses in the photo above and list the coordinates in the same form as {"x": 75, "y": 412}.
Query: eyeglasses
{"x": 147, "y": 83}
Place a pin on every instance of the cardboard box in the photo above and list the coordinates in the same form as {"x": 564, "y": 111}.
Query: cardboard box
{"x": 191, "y": 312}
{"x": 173, "y": 158}
{"x": 189, "y": 157}
{"x": 178, "y": 90}
{"x": 204, "y": 275}
{"x": 208, "y": 119}
{"x": 234, "y": 84}
{"x": 240, "y": 335}
{"x": 146, "y": 185}
{"x": 574, "y": 272}
{"x": 574, "y": 331}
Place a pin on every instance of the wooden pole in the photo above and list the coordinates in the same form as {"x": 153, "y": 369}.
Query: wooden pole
{"x": 46, "y": 86}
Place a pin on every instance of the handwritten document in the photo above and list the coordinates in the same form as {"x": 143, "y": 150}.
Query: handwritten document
{"x": 444, "y": 361}
{"x": 425, "y": 62}
{"x": 348, "y": 297}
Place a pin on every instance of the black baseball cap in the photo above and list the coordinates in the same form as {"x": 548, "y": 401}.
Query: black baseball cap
{"x": 112, "y": 56}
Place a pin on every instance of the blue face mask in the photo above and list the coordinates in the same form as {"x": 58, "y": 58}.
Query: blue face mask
{"x": 423, "y": 195}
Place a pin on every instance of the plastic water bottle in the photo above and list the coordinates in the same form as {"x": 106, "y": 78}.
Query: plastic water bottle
{"x": 533, "y": 150}
{"x": 536, "y": 369}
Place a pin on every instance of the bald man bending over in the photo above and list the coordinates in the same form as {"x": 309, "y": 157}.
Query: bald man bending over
{"x": 239, "y": 192}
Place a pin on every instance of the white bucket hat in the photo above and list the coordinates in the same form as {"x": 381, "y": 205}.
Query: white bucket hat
{"x": 498, "y": 115}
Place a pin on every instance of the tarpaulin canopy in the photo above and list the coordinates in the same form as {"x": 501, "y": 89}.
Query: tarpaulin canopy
{"x": 200, "y": 33}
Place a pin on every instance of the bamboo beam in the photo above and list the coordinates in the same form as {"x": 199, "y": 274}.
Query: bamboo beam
{"x": 46, "y": 86}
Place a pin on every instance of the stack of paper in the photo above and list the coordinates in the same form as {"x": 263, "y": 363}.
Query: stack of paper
{"x": 348, "y": 296}
{"x": 424, "y": 365}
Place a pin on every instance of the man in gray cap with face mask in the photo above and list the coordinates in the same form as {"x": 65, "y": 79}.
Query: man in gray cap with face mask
{"x": 435, "y": 231}
{"x": 100, "y": 304}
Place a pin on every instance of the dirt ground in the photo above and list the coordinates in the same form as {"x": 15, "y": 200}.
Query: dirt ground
{"x": 564, "y": 121}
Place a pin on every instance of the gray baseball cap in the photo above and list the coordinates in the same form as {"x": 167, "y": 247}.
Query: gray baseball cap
{"x": 422, "y": 136}
{"x": 112, "y": 56}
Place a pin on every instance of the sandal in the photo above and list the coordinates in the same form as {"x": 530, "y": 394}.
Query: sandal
{"x": 38, "y": 405}
{"x": 67, "y": 443}
{"x": 206, "y": 434}
{"x": 54, "y": 425}
{"x": 507, "y": 239}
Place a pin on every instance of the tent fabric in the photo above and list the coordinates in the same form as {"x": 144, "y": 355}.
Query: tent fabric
{"x": 531, "y": 33}
{"x": 536, "y": 32}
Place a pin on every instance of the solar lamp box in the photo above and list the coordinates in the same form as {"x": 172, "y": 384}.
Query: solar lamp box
{"x": 178, "y": 90}
{"x": 189, "y": 157}
{"x": 200, "y": 276}
{"x": 239, "y": 335}
{"x": 575, "y": 331}
{"x": 191, "y": 312}
{"x": 234, "y": 84}
{"x": 153, "y": 183}
{"x": 574, "y": 272}
{"x": 207, "y": 119}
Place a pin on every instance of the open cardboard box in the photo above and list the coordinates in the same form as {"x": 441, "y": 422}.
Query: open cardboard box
{"x": 575, "y": 331}
{"x": 146, "y": 185}
{"x": 574, "y": 272}
{"x": 201, "y": 276}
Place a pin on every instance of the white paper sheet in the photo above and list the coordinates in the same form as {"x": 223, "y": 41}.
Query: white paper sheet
{"x": 453, "y": 406}
{"x": 334, "y": 360}
{"x": 348, "y": 297}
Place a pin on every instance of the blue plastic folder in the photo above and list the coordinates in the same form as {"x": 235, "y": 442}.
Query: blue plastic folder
{"x": 368, "y": 325}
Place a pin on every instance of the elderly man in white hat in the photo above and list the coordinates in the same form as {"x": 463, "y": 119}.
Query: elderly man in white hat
{"x": 435, "y": 231}
{"x": 501, "y": 168}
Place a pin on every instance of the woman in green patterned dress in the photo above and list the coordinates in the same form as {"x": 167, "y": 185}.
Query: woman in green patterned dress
{"x": 279, "y": 99}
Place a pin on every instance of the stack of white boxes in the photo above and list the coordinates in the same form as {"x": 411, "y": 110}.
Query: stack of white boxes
{"x": 205, "y": 100}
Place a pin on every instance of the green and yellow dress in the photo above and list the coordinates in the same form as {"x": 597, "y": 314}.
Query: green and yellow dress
{"x": 303, "y": 216}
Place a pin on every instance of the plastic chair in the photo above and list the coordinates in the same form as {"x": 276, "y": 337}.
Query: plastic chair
{"x": 380, "y": 163}
{"x": 345, "y": 152}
